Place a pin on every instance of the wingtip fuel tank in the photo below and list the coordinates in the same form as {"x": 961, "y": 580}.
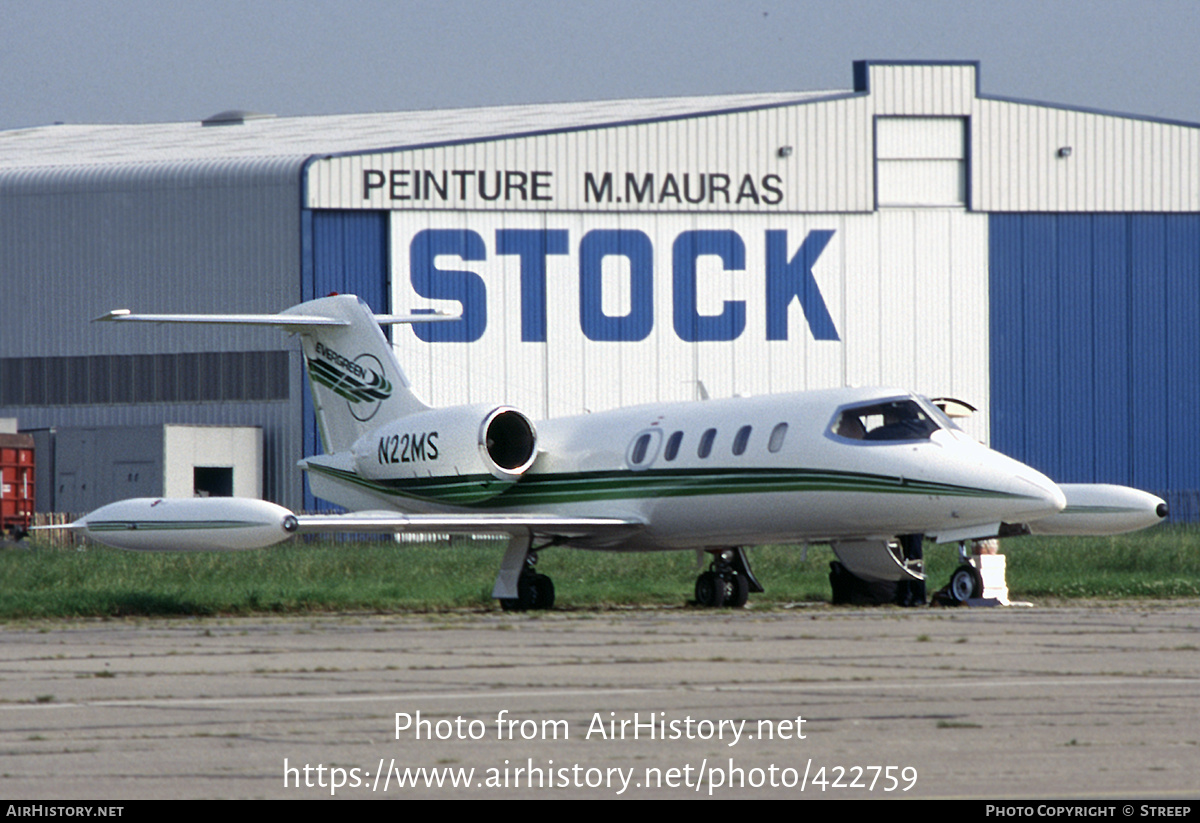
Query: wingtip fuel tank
{"x": 187, "y": 524}
{"x": 1102, "y": 509}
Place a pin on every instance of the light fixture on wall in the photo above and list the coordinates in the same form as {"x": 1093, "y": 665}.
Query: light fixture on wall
{"x": 1065, "y": 151}
{"x": 785, "y": 151}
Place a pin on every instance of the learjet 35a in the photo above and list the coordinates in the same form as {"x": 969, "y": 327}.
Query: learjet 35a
{"x": 860, "y": 469}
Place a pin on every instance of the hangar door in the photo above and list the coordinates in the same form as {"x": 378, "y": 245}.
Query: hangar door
{"x": 1095, "y": 349}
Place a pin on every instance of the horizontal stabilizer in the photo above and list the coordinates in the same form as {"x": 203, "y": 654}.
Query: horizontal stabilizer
{"x": 355, "y": 378}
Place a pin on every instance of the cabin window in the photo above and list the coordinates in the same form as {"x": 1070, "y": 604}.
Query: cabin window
{"x": 740, "y": 440}
{"x": 890, "y": 421}
{"x": 706, "y": 442}
{"x": 643, "y": 449}
{"x": 639, "y": 449}
{"x": 673, "y": 442}
{"x": 775, "y": 443}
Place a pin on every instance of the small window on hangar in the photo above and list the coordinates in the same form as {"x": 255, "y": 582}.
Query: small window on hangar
{"x": 921, "y": 161}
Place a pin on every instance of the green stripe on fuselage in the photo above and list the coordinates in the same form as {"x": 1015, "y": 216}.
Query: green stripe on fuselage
{"x": 481, "y": 490}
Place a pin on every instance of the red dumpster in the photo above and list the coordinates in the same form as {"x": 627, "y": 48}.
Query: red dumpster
{"x": 16, "y": 483}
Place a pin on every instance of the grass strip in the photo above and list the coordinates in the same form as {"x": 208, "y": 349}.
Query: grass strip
{"x": 38, "y": 581}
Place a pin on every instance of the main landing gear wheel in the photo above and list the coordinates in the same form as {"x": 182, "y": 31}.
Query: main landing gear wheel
{"x": 710, "y": 590}
{"x": 544, "y": 586}
{"x": 534, "y": 591}
{"x": 728, "y": 581}
{"x": 965, "y": 584}
{"x": 739, "y": 591}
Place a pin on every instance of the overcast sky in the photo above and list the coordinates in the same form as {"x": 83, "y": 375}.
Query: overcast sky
{"x": 80, "y": 61}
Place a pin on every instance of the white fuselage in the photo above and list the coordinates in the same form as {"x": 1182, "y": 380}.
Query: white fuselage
{"x": 697, "y": 477}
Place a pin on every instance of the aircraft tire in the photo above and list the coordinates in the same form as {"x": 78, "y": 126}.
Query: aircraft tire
{"x": 965, "y": 584}
{"x": 544, "y": 591}
{"x": 739, "y": 591}
{"x": 528, "y": 593}
{"x": 710, "y": 590}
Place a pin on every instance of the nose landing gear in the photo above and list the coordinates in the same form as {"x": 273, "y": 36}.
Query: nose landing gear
{"x": 965, "y": 584}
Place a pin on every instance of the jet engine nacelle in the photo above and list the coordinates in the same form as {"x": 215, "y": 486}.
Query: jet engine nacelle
{"x": 482, "y": 450}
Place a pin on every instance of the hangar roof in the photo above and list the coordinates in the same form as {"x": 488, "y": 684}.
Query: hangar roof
{"x": 301, "y": 137}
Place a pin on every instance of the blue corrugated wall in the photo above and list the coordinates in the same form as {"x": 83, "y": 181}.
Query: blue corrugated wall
{"x": 344, "y": 252}
{"x": 1095, "y": 349}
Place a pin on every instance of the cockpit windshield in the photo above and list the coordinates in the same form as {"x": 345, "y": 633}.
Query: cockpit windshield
{"x": 940, "y": 416}
{"x": 892, "y": 420}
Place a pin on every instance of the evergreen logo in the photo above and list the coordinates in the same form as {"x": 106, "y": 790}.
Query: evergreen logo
{"x": 360, "y": 381}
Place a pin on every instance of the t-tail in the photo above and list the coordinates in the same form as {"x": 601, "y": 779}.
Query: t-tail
{"x": 356, "y": 380}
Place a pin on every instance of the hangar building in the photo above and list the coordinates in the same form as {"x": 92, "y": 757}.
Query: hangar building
{"x": 1041, "y": 262}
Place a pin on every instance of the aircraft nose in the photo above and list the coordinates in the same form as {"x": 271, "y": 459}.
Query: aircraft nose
{"x": 1049, "y": 498}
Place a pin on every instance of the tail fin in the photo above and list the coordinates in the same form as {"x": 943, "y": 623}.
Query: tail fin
{"x": 356, "y": 381}
{"x": 355, "y": 378}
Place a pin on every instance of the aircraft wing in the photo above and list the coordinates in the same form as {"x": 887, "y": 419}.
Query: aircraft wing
{"x": 393, "y": 523}
{"x": 283, "y": 319}
{"x": 232, "y": 524}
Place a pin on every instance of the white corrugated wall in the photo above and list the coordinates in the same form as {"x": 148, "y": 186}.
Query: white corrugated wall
{"x": 1110, "y": 163}
{"x": 826, "y": 165}
{"x": 906, "y": 290}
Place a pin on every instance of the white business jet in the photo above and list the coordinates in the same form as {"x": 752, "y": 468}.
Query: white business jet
{"x": 868, "y": 471}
